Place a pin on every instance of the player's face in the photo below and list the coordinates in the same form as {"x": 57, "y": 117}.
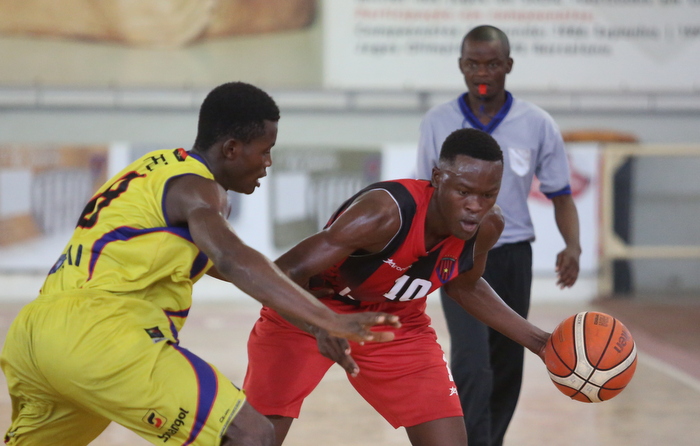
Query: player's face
{"x": 485, "y": 66}
{"x": 466, "y": 191}
{"x": 252, "y": 160}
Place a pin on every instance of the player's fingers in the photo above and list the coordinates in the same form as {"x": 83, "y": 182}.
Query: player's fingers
{"x": 339, "y": 348}
{"x": 333, "y": 347}
{"x": 382, "y": 319}
{"x": 380, "y": 336}
{"x": 349, "y": 365}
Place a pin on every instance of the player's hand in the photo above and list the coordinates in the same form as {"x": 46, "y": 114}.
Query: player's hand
{"x": 567, "y": 267}
{"x": 357, "y": 326}
{"x": 338, "y": 350}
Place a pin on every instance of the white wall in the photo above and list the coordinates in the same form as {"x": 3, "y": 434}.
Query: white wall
{"x": 353, "y": 129}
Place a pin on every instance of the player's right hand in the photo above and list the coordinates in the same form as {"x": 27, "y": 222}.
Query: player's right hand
{"x": 357, "y": 326}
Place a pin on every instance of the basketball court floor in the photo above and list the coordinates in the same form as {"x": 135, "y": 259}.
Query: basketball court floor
{"x": 659, "y": 407}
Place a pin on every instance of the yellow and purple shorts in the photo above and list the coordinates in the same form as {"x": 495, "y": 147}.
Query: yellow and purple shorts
{"x": 74, "y": 363}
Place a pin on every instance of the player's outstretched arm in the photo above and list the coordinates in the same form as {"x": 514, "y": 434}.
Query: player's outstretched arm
{"x": 202, "y": 205}
{"x": 477, "y": 297}
{"x": 482, "y": 302}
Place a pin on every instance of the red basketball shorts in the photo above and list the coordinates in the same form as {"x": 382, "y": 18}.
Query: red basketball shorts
{"x": 406, "y": 380}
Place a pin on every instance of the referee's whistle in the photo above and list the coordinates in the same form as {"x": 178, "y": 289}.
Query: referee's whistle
{"x": 482, "y": 89}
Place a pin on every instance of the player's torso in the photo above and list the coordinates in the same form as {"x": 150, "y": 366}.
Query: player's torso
{"x": 123, "y": 243}
{"x": 403, "y": 270}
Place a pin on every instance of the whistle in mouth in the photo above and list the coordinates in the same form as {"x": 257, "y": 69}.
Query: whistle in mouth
{"x": 482, "y": 89}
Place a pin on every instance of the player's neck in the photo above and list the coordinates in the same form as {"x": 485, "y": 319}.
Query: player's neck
{"x": 435, "y": 230}
{"x": 203, "y": 157}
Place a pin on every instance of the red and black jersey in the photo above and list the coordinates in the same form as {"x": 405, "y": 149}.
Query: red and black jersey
{"x": 403, "y": 270}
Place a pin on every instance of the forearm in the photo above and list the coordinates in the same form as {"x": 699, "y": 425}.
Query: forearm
{"x": 566, "y": 217}
{"x": 483, "y": 303}
{"x": 264, "y": 281}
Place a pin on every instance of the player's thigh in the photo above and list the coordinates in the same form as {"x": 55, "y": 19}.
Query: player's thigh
{"x": 443, "y": 432}
{"x": 45, "y": 422}
{"x": 407, "y": 380}
{"x": 120, "y": 361}
{"x": 284, "y": 366}
{"x": 40, "y": 415}
{"x": 179, "y": 398}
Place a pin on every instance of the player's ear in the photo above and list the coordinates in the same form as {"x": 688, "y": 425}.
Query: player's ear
{"x": 230, "y": 148}
{"x": 435, "y": 177}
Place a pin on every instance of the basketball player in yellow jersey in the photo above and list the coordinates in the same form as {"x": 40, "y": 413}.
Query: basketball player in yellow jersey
{"x": 100, "y": 343}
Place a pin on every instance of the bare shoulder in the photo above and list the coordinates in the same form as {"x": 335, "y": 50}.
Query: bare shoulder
{"x": 369, "y": 222}
{"x": 189, "y": 192}
{"x": 376, "y": 204}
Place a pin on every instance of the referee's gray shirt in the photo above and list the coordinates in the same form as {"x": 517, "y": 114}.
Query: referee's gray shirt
{"x": 531, "y": 143}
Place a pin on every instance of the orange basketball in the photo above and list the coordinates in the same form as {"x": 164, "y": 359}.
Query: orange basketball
{"x": 591, "y": 357}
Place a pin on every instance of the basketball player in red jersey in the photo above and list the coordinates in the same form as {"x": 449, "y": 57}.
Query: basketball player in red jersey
{"x": 386, "y": 249}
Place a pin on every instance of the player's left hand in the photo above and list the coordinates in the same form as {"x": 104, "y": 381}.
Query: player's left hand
{"x": 567, "y": 267}
{"x": 338, "y": 350}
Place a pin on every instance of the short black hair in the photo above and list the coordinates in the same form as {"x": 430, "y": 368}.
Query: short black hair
{"x": 234, "y": 110}
{"x": 488, "y": 33}
{"x": 470, "y": 142}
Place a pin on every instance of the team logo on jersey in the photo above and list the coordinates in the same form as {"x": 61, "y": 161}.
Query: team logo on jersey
{"x": 180, "y": 154}
{"x": 444, "y": 269}
{"x": 155, "y": 419}
{"x": 393, "y": 264}
{"x": 155, "y": 334}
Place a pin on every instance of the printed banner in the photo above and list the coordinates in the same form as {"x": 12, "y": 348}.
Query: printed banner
{"x": 556, "y": 44}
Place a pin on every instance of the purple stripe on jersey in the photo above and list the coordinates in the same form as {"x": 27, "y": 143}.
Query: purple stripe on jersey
{"x": 171, "y": 315}
{"x": 181, "y": 313}
{"x": 199, "y": 263}
{"x": 199, "y": 158}
{"x": 173, "y": 329}
{"x": 125, "y": 233}
{"x": 208, "y": 387}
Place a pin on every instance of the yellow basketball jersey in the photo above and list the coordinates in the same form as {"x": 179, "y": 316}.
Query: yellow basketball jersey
{"x": 124, "y": 244}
